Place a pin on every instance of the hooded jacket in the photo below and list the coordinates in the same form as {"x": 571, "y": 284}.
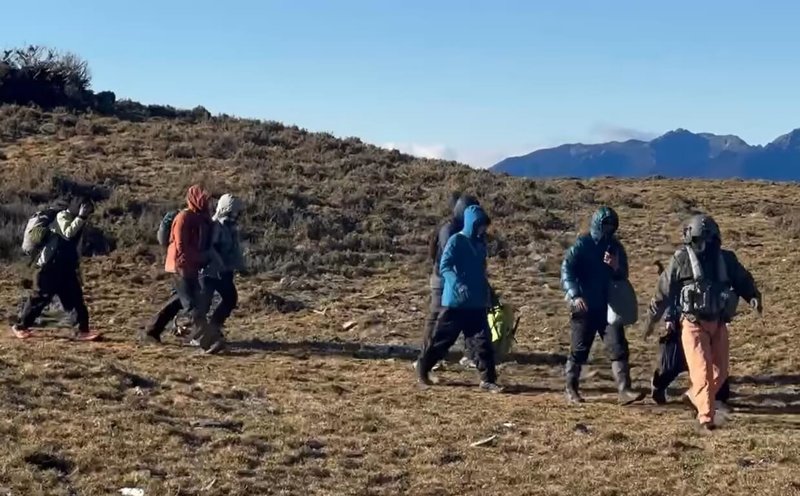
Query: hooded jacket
{"x": 583, "y": 272}
{"x": 225, "y": 238}
{"x": 447, "y": 230}
{"x": 463, "y": 265}
{"x": 679, "y": 274}
{"x": 190, "y": 235}
{"x": 62, "y": 249}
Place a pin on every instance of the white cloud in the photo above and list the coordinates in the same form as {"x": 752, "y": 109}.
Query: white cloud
{"x": 475, "y": 157}
{"x": 442, "y": 152}
{"x": 605, "y": 131}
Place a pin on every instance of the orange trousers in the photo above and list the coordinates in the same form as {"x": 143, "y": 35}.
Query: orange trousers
{"x": 706, "y": 347}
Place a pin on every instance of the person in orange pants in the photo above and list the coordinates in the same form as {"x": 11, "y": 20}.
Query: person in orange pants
{"x": 700, "y": 290}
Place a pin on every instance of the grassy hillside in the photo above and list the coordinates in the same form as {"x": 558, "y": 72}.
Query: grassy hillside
{"x": 336, "y": 232}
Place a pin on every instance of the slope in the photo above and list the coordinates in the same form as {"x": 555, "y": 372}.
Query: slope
{"x": 306, "y": 405}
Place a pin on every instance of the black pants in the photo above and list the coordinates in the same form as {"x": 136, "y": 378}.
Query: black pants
{"x": 434, "y": 309}
{"x": 672, "y": 363}
{"x": 226, "y": 288}
{"x": 474, "y": 325}
{"x": 52, "y": 282}
{"x": 583, "y": 330}
{"x": 189, "y": 296}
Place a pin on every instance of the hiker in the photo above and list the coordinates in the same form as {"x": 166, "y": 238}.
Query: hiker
{"x": 438, "y": 242}
{"x": 672, "y": 363}
{"x": 698, "y": 294}
{"x": 187, "y": 254}
{"x": 465, "y": 301}
{"x": 58, "y": 263}
{"x": 218, "y": 275}
{"x": 590, "y": 266}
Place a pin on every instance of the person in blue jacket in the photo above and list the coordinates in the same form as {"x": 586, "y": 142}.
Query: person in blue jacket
{"x": 589, "y": 266}
{"x": 465, "y": 300}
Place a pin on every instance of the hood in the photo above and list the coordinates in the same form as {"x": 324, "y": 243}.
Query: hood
{"x": 601, "y": 215}
{"x": 474, "y": 216}
{"x": 197, "y": 199}
{"x": 228, "y": 207}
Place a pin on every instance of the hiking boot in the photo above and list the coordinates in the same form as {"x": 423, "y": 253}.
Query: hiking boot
{"x": 704, "y": 428}
{"x": 573, "y": 373}
{"x": 659, "y": 396}
{"x": 623, "y": 379}
{"x": 87, "y": 336}
{"x": 424, "y": 378}
{"x": 490, "y": 387}
{"x": 20, "y": 333}
{"x": 147, "y": 338}
{"x": 216, "y": 347}
{"x": 467, "y": 362}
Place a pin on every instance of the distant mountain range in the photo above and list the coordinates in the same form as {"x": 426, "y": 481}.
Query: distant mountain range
{"x": 676, "y": 154}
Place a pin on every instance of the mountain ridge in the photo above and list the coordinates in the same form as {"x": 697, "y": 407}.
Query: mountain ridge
{"x": 679, "y": 153}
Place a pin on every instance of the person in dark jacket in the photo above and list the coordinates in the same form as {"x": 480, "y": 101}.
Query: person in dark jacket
{"x": 465, "y": 300}
{"x": 218, "y": 275}
{"x": 435, "y": 249}
{"x": 58, "y": 273}
{"x": 589, "y": 266}
{"x": 672, "y": 362}
{"x": 697, "y": 294}
{"x": 187, "y": 254}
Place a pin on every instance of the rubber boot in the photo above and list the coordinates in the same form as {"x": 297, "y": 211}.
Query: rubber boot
{"x": 623, "y": 378}
{"x": 573, "y": 375}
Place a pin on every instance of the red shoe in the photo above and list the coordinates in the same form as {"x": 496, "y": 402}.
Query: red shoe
{"x": 87, "y": 336}
{"x": 20, "y": 333}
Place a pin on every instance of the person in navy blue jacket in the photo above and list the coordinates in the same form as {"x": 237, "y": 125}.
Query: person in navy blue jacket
{"x": 590, "y": 265}
{"x": 465, "y": 300}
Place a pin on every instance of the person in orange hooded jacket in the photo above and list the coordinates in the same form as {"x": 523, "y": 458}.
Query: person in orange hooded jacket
{"x": 187, "y": 254}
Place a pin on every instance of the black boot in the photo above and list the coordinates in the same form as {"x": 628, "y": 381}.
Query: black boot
{"x": 658, "y": 393}
{"x": 623, "y": 378}
{"x": 573, "y": 374}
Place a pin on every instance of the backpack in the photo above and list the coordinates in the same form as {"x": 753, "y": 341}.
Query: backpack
{"x": 503, "y": 328}
{"x": 37, "y": 231}
{"x": 704, "y": 299}
{"x": 165, "y": 227}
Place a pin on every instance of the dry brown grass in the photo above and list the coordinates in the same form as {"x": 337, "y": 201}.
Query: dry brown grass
{"x": 309, "y": 408}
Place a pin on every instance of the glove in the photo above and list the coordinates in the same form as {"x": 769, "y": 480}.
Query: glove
{"x": 757, "y": 305}
{"x": 86, "y": 210}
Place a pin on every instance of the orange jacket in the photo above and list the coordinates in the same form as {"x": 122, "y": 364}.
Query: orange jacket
{"x": 189, "y": 235}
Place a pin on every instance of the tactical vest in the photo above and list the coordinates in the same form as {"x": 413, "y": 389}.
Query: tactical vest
{"x": 705, "y": 299}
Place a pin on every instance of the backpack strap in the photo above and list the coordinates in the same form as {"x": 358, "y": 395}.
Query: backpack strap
{"x": 722, "y": 269}
{"x": 697, "y": 269}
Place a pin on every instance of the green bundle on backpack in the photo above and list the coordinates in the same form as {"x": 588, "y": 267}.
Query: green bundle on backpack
{"x": 504, "y": 329}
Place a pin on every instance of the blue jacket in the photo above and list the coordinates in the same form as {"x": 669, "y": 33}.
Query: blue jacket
{"x": 583, "y": 272}
{"x": 463, "y": 265}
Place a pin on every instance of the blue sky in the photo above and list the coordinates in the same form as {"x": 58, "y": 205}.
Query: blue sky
{"x": 468, "y": 80}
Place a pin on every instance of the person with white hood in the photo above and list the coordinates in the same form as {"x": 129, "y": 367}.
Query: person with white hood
{"x": 218, "y": 275}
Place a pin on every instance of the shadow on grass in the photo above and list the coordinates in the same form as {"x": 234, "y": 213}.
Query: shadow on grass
{"x": 371, "y": 351}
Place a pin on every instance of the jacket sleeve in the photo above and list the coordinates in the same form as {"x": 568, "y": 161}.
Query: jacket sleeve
{"x": 569, "y": 270}
{"x": 447, "y": 265}
{"x": 69, "y": 226}
{"x": 238, "y": 252}
{"x": 444, "y": 237}
{"x": 741, "y": 279}
{"x": 666, "y": 293}
{"x": 622, "y": 257}
{"x": 213, "y": 255}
